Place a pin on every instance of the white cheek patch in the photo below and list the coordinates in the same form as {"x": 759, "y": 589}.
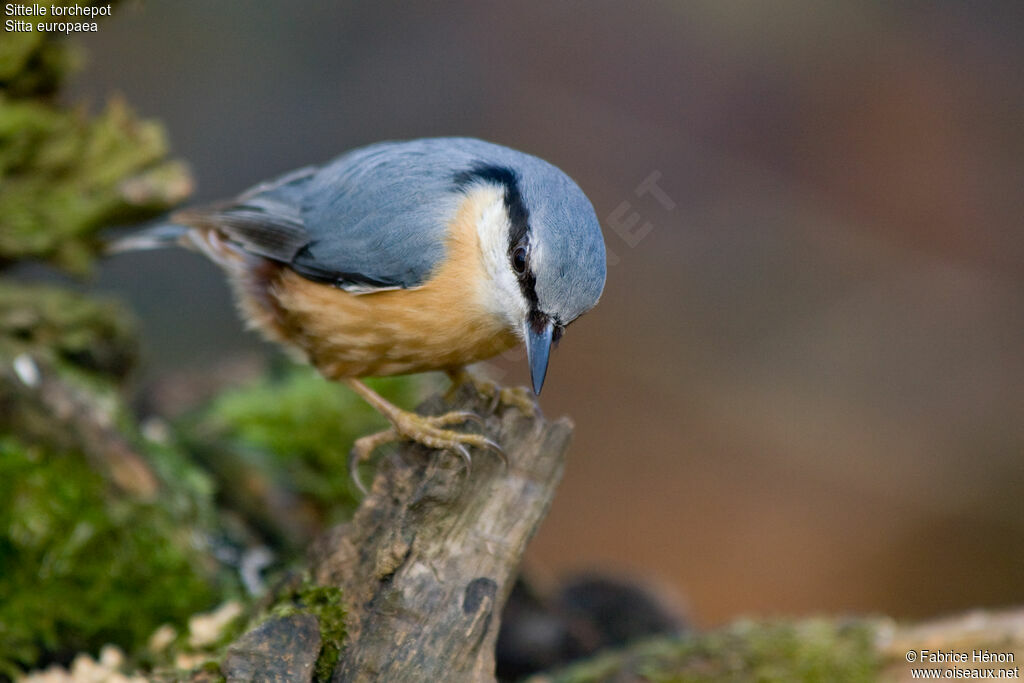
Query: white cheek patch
{"x": 502, "y": 295}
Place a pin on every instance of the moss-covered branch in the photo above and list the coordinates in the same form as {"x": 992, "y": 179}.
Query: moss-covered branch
{"x": 814, "y": 650}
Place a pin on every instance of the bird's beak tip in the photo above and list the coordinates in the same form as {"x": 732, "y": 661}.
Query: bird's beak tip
{"x": 538, "y": 349}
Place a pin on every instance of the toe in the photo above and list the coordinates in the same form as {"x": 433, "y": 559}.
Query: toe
{"x": 455, "y": 417}
{"x": 521, "y": 398}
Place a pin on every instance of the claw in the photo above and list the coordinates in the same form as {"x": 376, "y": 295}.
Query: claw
{"x": 429, "y": 431}
{"x": 498, "y": 451}
{"x": 361, "y": 451}
{"x": 353, "y": 473}
{"x": 463, "y": 453}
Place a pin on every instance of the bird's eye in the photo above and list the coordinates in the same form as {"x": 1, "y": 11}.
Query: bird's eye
{"x": 519, "y": 258}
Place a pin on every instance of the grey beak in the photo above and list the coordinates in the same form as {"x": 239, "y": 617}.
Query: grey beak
{"x": 538, "y": 348}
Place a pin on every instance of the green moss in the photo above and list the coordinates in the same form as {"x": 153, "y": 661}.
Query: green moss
{"x": 307, "y": 425}
{"x": 82, "y": 563}
{"x": 774, "y": 652}
{"x": 64, "y": 176}
{"x": 32, "y": 64}
{"x": 326, "y": 604}
{"x": 80, "y": 567}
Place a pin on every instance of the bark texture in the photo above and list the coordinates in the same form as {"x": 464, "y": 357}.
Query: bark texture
{"x": 428, "y": 561}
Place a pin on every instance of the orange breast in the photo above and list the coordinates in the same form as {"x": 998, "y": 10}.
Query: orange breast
{"x": 442, "y": 324}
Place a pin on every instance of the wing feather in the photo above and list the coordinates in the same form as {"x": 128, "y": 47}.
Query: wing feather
{"x": 374, "y": 218}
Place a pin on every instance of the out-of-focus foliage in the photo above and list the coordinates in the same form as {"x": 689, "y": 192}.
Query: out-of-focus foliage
{"x": 81, "y": 566}
{"x": 31, "y": 64}
{"x": 70, "y": 329}
{"x": 65, "y": 174}
{"x": 306, "y": 425}
{"x": 86, "y": 558}
{"x": 104, "y": 535}
{"x": 772, "y": 652}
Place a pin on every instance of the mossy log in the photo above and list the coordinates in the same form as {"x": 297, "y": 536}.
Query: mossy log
{"x": 853, "y": 650}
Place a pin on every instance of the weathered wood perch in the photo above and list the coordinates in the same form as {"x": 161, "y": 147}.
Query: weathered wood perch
{"x": 427, "y": 562}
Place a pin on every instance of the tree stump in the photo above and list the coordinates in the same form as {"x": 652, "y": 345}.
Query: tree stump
{"x": 428, "y": 561}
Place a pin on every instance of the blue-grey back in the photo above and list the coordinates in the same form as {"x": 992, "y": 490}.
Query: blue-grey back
{"x": 383, "y": 211}
{"x": 378, "y": 216}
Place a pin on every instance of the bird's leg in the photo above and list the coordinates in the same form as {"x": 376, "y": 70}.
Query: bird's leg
{"x": 428, "y": 430}
{"x": 517, "y": 397}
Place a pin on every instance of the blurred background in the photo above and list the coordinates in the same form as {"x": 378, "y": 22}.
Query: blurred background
{"x": 803, "y": 390}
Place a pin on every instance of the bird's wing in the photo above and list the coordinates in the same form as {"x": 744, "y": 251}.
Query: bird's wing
{"x": 265, "y": 221}
{"x": 374, "y": 218}
{"x": 381, "y": 213}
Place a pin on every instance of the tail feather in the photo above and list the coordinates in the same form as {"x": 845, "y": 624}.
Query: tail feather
{"x": 157, "y": 237}
{"x": 252, "y": 277}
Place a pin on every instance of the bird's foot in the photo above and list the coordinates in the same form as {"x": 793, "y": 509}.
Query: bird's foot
{"x": 428, "y": 430}
{"x": 520, "y": 398}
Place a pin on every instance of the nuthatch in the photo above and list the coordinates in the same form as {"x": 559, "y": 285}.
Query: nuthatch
{"x": 403, "y": 257}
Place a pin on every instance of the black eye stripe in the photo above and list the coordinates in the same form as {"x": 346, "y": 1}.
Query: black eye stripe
{"x": 518, "y": 216}
{"x": 507, "y": 179}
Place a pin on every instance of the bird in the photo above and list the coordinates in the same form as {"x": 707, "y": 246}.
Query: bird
{"x": 404, "y": 257}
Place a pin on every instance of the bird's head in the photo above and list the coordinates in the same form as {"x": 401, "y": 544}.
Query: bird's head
{"x": 542, "y": 248}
